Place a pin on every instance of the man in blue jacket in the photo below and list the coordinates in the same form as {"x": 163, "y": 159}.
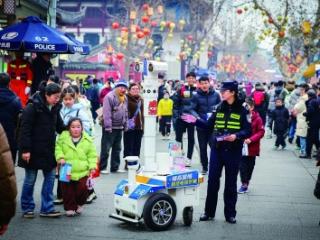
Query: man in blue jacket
{"x": 10, "y": 107}
{"x": 203, "y": 103}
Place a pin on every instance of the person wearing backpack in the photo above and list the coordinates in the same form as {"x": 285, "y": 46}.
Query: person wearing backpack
{"x": 133, "y": 137}
{"x": 10, "y": 108}
{"x": 260, "y": 100}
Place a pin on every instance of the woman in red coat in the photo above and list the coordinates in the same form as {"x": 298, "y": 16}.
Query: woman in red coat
{"x": 253, "y": 142}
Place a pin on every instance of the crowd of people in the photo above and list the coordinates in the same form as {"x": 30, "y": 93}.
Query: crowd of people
{"x": 54, "y": 129}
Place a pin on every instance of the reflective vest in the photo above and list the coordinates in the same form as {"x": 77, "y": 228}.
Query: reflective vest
{"x": 227, "y": 123}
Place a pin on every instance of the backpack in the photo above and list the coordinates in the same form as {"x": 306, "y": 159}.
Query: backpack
{"x": 258, "y": 98}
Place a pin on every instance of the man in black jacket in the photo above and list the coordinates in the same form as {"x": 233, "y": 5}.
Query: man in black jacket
{"x": 10, "y": 107}
{"x": 313, "y": 118}
{"x": 203, "y": 103}
{"x": 41, "y": 69}
{"x": 182, "y": 104}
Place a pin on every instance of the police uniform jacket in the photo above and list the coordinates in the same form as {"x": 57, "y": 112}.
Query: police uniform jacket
{"x": 225, "y": 120}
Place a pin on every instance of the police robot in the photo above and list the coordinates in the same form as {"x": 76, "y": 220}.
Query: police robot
{"x": 159, "y": 191}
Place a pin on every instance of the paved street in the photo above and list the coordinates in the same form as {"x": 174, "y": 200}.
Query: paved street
{"x": 280, "y": 205}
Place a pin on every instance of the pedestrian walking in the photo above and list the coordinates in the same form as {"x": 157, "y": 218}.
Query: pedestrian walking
{"x": 182, "y": 104}
{"x": 164, "y": 113}
{"x": 313, "y": 118}
{"x": 252, "y": 143}
{"x": 93, "y": 96}
{"x": 10, "y": 108}
{"x": 203, "y": 103}
{"x": 115, "y": 122}
{"x": 298, "y": 112}
{"x": 76, "y": 148}
{"x": 231, "y": 126}
{"x": 280, "y": 118}
{"x": 105, "y": 90}
{"x": 8, "y": 189}
{"x": 133, "y": 137}
{"x": 260, "y": 98}
{"x": 39, "y": 123}
{"x": 71, "y": 109}
{"x": 290, "y": 102}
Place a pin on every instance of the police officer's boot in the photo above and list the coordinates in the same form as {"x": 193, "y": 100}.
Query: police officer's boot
{"x": 231, "y": 220}
{"x": 205, "y": 217}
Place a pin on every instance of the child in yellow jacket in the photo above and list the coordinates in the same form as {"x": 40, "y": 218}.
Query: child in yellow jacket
{"x": 164, "y": 113}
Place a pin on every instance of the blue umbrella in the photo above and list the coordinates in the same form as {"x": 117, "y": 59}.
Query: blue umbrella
{"x": 79, "y": 47}
{"x": 32, "y": 35}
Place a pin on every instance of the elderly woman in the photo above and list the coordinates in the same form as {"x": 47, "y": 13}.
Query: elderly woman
{"x": 132, "y": 138}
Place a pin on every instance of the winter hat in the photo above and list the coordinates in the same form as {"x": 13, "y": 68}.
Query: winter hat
{"x": 229, "y": 85}
{"x": 312, "y": 93}
{"x": 121, "y": 83}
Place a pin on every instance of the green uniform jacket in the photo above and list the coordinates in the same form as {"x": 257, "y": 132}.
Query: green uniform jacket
{"x": 82, "y": 157}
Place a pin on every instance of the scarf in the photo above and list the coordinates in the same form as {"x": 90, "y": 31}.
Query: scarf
{"x": 120, "y": 98}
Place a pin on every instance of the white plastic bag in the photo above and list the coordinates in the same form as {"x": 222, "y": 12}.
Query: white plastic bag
{"x": 245, "y": 150}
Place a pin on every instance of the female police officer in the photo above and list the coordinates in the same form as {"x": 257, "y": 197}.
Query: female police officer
{"x": 230, "y": 124}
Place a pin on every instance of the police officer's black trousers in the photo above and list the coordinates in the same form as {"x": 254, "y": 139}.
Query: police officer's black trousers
{"x": 230, "y": 160}
{"x": 180, "y": 129}
{"x": 203, "y": 139}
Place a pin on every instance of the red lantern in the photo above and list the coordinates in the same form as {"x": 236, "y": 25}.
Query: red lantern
{"x": 190, "y": 37}
{"x": 281, "y": 34}
{"x": 115, "y": 25}
{"x": 124, "y": 29}
{"x": 140, "y": 34}
{"x": 145, "y": 6}
{"x": 270, "y": 20}
{"x": 120, "y": 56}
{"x": 239, "y": 11}
{"x": 154, "y": 24}
{"x": 146, "y": 31}
{"x": 145, "y": 19}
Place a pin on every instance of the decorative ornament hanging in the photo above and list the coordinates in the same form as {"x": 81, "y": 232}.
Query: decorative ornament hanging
{"x": 115, "y": 25}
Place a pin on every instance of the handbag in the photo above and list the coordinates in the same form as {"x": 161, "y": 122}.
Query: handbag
{"x": 132, "y": 121}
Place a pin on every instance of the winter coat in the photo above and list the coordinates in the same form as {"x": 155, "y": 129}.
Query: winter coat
{"x": 41, "y": 70}
{"x": 203, "y": 103}
{"x": 182, "y": 101}
{"x": 132, "y": 107}
{"x": 87, "y": 108}
{"x": 82, "y": 157}
{"x": 37, "y": 134}
{"x": 292, "y": 99}
{"x": 276, "y": 93}
{"x": 8, "y": 184}
{"x": 77, "y": 110}
{"x": 104, "y": 91}
{"x": 280, "y": 117}
{"x": 257, "y": 134}
{"x": 300, "y": 109}
{"x": 165, "y": 107}
{"x": 313, "y": 113}
{"x": 10, "y": 107}
{"x": 115, "y": 114}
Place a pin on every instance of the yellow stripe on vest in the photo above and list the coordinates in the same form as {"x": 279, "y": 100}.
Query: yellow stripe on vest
{"x": 235, "y": 116}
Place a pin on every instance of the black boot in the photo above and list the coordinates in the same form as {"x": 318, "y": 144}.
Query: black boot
{"x": 231, "y": 220}
{"x": 205, "y": 217}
